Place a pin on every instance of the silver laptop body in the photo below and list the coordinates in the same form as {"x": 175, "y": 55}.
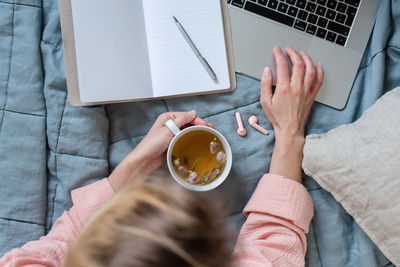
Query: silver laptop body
{"x": 254, "y": 35}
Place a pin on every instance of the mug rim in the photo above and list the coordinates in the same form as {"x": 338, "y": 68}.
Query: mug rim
{"x": 214, "y": 184}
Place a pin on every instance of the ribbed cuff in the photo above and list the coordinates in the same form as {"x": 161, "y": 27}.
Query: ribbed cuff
{"x": 285, "y": 198}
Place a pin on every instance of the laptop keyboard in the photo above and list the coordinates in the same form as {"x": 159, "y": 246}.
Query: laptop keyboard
{"x": 327, "y": 19}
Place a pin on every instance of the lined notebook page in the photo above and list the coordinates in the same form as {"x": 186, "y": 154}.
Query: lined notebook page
{"x": 175, "y": 69}
{"x": 111, "y": 50}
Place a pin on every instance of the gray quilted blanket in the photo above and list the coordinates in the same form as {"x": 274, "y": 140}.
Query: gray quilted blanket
{"x": 48, "y": 147}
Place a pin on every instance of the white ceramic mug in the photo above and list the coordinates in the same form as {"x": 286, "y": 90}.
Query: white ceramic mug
{"x": 178, "y": 134}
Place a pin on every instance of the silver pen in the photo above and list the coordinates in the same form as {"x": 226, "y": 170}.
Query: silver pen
{"x": 196, "y": 51}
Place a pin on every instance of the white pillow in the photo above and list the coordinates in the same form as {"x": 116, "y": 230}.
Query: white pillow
{"x": 359, "y": 164}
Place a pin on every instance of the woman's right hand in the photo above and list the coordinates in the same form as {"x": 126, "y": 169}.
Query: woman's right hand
{"x": 288, "y": 108}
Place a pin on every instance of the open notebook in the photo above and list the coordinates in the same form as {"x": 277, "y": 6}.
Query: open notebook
{"x": 125, "y": 50}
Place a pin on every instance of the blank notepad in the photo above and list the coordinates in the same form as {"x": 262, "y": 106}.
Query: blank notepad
{"x": 174, "y": 65}
{"x": 132, "y": 49}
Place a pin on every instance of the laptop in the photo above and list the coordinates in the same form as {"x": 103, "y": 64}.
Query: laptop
{"x": 334, "y": 32}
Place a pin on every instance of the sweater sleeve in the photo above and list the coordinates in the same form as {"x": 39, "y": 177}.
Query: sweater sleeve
{"x": 278, "y": 216}
{"x": 51, "y": 249}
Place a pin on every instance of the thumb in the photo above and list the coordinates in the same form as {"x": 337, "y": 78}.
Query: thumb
{"x": 183, "y": 118}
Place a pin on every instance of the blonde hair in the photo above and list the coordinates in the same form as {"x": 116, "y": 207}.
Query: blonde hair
{"x": 154, "y": 224}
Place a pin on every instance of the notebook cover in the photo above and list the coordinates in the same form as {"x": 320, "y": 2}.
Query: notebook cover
{"x": 71, "y": 70}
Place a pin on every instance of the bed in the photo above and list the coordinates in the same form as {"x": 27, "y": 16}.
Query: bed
{"x": 48, "y": 147}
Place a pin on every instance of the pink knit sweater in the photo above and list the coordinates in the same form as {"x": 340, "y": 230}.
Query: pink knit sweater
{"x": 278, "y": 216}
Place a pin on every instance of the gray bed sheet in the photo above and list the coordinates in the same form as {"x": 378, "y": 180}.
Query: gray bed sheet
{"x": 48, "y": 147}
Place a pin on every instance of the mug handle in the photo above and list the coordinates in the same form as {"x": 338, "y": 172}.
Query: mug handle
{"x": 172, "y": 127}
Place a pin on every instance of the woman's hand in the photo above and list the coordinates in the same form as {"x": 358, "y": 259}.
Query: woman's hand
{"x": 151, "y": 151}
{"x": 154, "y": 146}
{"x": 288, "y": 108}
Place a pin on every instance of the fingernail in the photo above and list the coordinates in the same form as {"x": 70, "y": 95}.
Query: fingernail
{"x": 266, "y": 71}
{"x": 192, "y": 113}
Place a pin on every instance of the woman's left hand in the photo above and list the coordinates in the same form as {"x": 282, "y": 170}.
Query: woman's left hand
{"x": 151, "y": 151}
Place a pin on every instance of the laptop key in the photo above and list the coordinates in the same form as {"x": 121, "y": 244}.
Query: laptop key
{"x": 283, "y": 7}
{"x": 340, "y": 18}
{"x": 322, "y": 22}
{"x": 262, "y": 2}
{"x": 351, "y": 14}
{"x": 355, "y": 3}
{"x": 351, "y": 11}
{"x": 238, "y": 3}
{"x": 312, "y": 19}
{"x": 311, "y": 29}
{"x": 321, "y": 10}
{"x": 268, "y": 13}
{"x": 291, "y": 2}
{"x": 321, "y": 33}
{"x": 293, "y": 11}
{"x": 341, "y": 40}
{"x": 302, "y": 15}
{"x": 321, "y": 2}
{"x": 300, "y": 25}
{"x": 311, "y": 7}
{"x": 301, "y": 3}
{"x": 332, "y": 4}
{"x": 341, "y": 7}
{"x": 331, "y": 36}
{"x": 273, "y": 4}
{"x": 338, "y": 28}
{"x": 349, "y": 21}
{"x": 330, "y": 14}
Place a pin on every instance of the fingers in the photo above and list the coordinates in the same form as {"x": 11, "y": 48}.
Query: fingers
{"x": 180, "y": 118}
{"x": 310, "y": 71}
{"x": 200, "y": 121}
{"x": 298, "y": 66}
{"x": 282, "y": 66}
{"x": 266, "y": 87}
{"x": 317, "y": 81}
{"x": 304, "y": 74}
{"x": 184, "y": 118}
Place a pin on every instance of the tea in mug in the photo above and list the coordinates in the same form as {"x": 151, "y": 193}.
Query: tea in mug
{"x": 199, "y": 157}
